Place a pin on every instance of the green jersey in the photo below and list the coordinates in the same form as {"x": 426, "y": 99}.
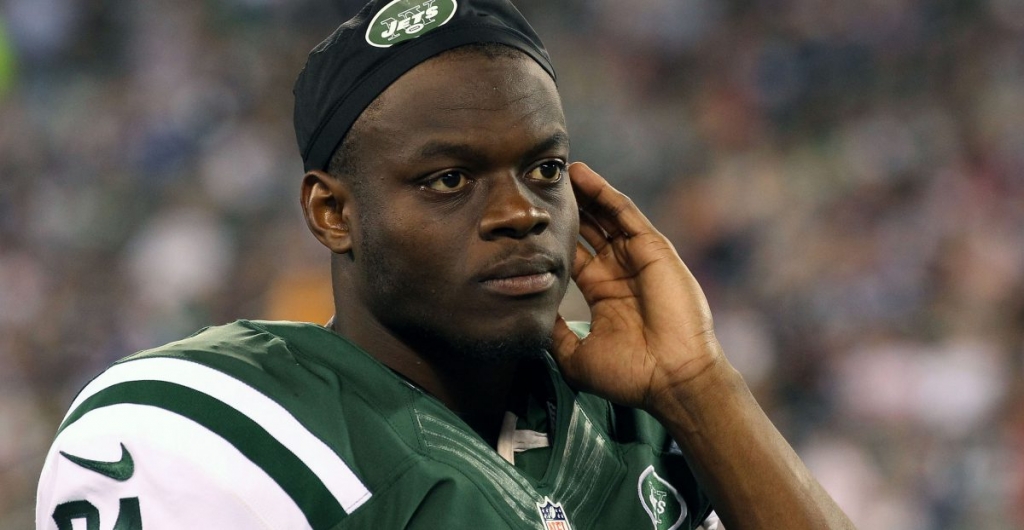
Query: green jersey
{"x": 288, "y": 425}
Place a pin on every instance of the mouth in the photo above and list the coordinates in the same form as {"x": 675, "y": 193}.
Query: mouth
{"x": 521, "y": 276}
{"x": 521, "y": 285}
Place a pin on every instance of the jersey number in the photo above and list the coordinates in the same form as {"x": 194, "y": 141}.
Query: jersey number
{"x": 128, "y": 516}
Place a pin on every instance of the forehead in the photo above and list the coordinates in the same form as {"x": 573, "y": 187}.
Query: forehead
{"x": 465, "y": 98}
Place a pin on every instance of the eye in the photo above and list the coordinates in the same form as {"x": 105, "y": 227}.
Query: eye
{"x": 448, "y": 182}
{"x": 550, "y": 171}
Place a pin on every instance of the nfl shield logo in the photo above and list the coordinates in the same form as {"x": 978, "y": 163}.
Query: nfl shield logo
{"x": 553, "y": 515}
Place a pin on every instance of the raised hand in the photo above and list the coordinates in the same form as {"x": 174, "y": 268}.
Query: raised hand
{"x": 651, "y": 329}
{"x": 652, "y": 345}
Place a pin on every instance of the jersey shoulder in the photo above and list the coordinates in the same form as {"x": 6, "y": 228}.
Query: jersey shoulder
{"x": 260, "y": 415}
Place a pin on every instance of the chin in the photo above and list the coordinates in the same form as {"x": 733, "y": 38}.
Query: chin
{"x": 531, "y": 327}
{"x": 522, "y": 338}
{"x": 502, "y": 349}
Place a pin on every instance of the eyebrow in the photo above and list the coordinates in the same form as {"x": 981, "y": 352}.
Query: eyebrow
{"x": 436, "y": 149}
{"x": 559, "y": 140}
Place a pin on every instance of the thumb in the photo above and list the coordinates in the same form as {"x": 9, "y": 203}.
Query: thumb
{"x": 563, "y": 341}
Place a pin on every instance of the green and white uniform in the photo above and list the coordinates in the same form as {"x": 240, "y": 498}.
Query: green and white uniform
{"x": 288, "y": 425}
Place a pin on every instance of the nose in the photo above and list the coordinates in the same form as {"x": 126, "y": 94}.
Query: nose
{"x": 512, "y": 211}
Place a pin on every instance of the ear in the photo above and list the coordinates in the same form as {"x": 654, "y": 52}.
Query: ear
{"x": 327, "y": 206}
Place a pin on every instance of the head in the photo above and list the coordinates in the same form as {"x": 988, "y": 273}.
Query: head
{"x": 448, "y": 208}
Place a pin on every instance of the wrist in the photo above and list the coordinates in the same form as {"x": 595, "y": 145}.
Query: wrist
{"x": 691, "y": 402}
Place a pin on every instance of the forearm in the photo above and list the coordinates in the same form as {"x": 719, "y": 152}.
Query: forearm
{"x": 752, "y": 475}
{"x": 645, "y": 305}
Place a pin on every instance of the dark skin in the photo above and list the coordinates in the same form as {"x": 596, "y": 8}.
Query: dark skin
{"x": 413, "y": 258}
{"x": 467, "y": 183}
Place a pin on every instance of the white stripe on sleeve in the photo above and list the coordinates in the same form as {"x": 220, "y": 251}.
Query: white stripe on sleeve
{"x": 325, "y": 464}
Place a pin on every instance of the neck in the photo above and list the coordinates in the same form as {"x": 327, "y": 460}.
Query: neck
{"x": 474, "y": 389}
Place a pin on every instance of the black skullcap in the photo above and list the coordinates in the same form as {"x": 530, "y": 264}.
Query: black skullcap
{"x": 346, "y": 72}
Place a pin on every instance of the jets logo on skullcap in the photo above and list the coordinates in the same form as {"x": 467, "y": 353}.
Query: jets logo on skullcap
{"x": 660, "y": 500}
{"x": 553, "y": 515}
{"x": 402, "y": 20}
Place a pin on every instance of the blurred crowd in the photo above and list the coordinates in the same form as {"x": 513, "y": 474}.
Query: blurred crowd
{"x": 846, "y": 180}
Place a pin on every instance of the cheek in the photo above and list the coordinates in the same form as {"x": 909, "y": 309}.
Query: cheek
{"x": 573, "y": 211}
{"x": 566, "y": 218}
{"x": 408, "y": 252}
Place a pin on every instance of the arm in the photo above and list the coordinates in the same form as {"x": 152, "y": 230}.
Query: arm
{"x": 652, "y": 346}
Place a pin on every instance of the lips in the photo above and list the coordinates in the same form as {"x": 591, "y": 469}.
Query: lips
{"x": 521, "y": 275}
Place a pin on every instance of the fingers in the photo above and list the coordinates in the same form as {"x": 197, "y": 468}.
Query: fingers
{"x": 592, "y": 233}
{"x": 611, "y": 210}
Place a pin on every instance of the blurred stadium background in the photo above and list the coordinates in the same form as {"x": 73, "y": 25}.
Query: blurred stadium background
{"x": 846, "y": 179}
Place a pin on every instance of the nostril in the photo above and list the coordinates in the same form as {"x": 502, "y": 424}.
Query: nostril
{"x": 540, "y": 226}
{"x": 517, "y": 223}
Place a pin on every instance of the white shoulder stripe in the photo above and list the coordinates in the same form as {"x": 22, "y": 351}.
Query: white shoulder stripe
{"x": 187, "y": 475}
{"x": 325, "y": 464}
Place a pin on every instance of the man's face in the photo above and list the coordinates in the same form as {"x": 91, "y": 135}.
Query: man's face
{"x": 465, "y": 223}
